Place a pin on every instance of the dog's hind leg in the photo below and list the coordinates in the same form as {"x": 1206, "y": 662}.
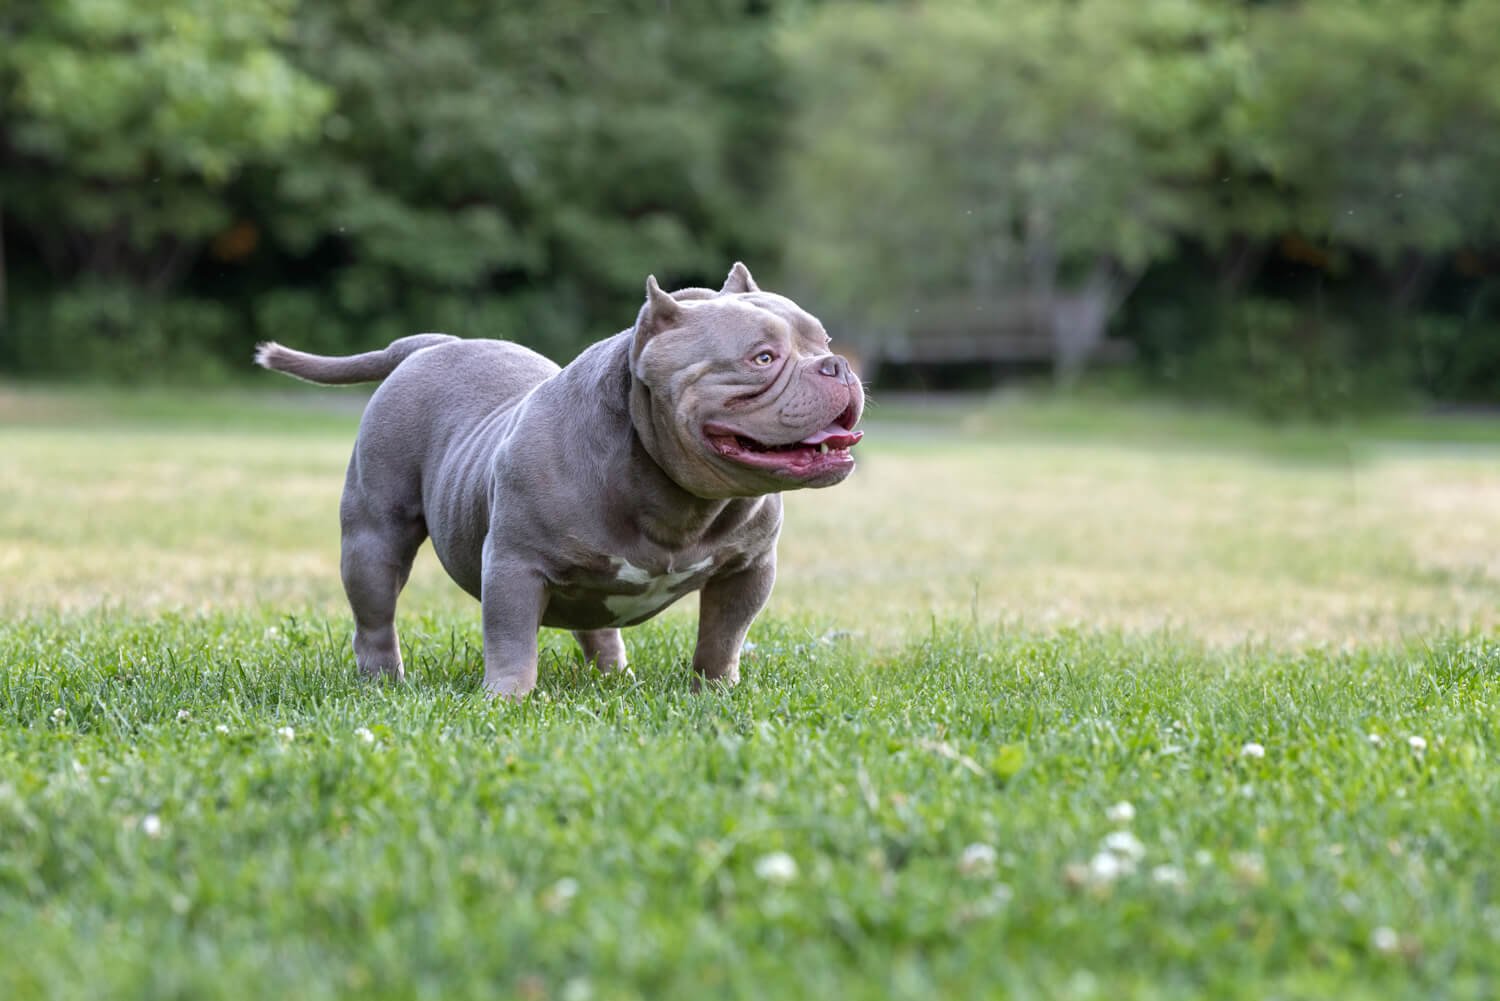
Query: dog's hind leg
{"x": 378, "y": 551}
{"x": 602, "y": 647}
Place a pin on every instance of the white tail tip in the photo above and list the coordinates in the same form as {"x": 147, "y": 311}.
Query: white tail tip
{"x": 263, "y": 352}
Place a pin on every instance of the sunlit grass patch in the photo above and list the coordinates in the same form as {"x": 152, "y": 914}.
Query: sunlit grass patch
{"x": 1004, "y": 516}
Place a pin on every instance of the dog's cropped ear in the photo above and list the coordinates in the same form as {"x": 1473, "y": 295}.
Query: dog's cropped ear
{"x": 739, "y": 280}
{"x": 660, "y": 312}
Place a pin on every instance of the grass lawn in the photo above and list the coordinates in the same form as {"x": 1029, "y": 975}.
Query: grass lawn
{"x": 1277, "y": 647}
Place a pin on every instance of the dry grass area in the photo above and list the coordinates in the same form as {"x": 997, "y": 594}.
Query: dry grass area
{"x": 1220, "y": 547}
{"x": 994, "y": 518}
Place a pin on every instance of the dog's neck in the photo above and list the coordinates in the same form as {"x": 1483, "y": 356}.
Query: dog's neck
{"x": 625, "y": 442}
{"x": 665, "y": 512}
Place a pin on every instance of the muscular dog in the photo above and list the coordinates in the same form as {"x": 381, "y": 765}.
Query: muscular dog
{"x": 593, "y": 496}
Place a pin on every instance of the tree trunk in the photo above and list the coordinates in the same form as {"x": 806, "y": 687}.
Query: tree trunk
{"x": 166, "y": 266}
{"x": 1241, "y": 264}
{"x": 1413, "y": 280}
{"x": 1079, "y": 318}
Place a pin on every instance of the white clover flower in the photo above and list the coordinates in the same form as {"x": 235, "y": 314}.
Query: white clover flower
{"x": 1169, "y": 875}
{"x": 364, "y": 734}
{"x": 777, "y": 867}
{"x": 1253, "y": 750}
{"x": 559, "y": 895}
{"x": 221, "y": 728}
{"x": 1106, "y": 867}
{"x": 1385, "y": 939}
{"x": 287, "y": 733}
{"x": 59, "y": 714}
{"x": 183, "y": 715}
{"x": 1417, "y": 744}
{"x": 151, "y": 825}
{"x": 1375, "y": 739}
{"x": 1248, "y": 867}
{"x": 977, "y": 860}
{"x": 1125, "y": 845}
{"x": 1121, "y": 813}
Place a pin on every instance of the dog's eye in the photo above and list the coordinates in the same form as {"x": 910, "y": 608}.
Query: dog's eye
{"x": 764, "y": 358}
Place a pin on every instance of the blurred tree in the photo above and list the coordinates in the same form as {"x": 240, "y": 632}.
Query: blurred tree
{"x": 1376, "y": 124}
{"x": 1002, "y": 150}
{"x": 500, "y": 170}
{"x": 514, "y": 170}
{"x": 121, "y": 121}
{"x": 180, "y": 177}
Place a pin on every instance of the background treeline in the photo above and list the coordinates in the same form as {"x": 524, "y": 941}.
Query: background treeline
{"x": 1293, "y": 204}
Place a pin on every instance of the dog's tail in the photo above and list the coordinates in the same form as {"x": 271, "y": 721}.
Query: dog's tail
{"x": 372, "y": 366}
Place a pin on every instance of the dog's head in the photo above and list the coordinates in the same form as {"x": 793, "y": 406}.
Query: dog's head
{"x": 737, "y": 392}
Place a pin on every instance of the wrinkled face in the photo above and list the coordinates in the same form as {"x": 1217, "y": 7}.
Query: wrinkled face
{"x": 747, "y": 397}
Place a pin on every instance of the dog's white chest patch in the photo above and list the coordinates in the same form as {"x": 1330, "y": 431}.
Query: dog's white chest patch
{"x": 659, "y": 590}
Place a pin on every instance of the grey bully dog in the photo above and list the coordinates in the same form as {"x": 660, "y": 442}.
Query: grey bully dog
{"x": 593, "y": 496}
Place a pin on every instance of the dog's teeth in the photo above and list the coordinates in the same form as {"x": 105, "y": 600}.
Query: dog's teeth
{"x": 823, "y": 448}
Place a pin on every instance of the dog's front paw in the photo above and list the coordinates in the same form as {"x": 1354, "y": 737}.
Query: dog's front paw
{"x": 393, "y": 673}
{"x": 717, "y": 682}
{"x": 509, "y": 689}
{"x": 378, "y": 654}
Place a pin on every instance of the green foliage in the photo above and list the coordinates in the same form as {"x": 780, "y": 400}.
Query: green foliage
{"x": 120, "y": 88}
{"x": 124, "y": 120}
{"x": 1455, "y": 358}
{"x": 111, "y": 331}
{"x": 343, "y": 174}
{"x": 1376, "y": 123}
{"x": 1288, "y": 362}
{"x": 987, "y": 123}
{"x": 1272, "y": 356}
{"x": 990, "y": 150}
{"x": 939, "y": 145}
{"x": 510, "y": 172}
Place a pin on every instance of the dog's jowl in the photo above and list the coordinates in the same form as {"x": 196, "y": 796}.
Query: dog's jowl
{"x": 593, "y": 496}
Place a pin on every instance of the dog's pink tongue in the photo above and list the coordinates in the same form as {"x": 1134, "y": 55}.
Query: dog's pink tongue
{"x": 834, "y": 435}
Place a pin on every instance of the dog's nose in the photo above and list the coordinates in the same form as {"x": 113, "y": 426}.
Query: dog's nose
{"x": 835, "y": 367}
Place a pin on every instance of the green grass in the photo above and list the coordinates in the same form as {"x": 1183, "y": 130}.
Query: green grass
{"x": 1089, "y": 617}
{"x": 607, "y": 833}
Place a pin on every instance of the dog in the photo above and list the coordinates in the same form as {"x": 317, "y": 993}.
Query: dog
{"x": 593, "y": 496}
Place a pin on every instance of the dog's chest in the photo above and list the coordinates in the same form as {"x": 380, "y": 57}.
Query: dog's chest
{"x": 656, "y": 590}
{"x": 621, "y": 593}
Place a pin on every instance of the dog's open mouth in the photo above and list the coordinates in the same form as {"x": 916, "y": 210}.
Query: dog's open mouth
{"x": 818, "y": 453}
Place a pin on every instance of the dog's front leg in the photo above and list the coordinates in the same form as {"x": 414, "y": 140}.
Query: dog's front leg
{"x": 512, "y": 599}
{"x": 726, "y": 607}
